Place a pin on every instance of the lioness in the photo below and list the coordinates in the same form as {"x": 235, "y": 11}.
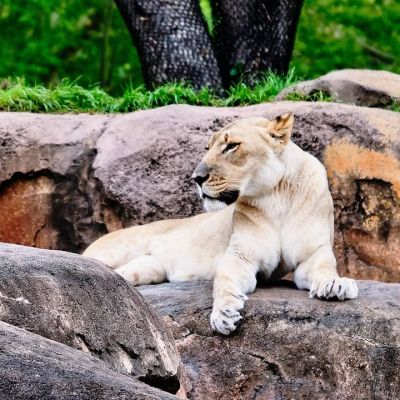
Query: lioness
{"x": 279, "y": 218}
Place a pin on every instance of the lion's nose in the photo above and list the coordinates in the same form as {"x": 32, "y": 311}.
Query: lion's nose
{"x": 199, "y": 179}
{"x": 201, "y": 173}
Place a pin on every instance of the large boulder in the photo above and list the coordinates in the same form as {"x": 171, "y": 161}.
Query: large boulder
{"x": 287, "y": 346}
{"x": 135, "y": 168}
{"x": 83, "y": 304}
{"x": 361, "y": 87}
{"x": 35, "y": 368}
{"x": 49, "y": 197}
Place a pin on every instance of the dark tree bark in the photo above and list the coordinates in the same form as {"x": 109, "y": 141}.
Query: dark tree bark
{"x": 172, "y": 41}
{"x": 253, "y": 36}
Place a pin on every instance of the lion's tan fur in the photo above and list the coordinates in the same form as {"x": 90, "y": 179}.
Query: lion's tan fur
{"x": 281, "y": 221}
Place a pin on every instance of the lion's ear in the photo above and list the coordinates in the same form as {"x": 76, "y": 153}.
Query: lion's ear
{"x": 280, "y": 128}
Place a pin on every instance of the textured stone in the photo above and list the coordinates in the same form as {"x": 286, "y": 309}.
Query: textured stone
{"x": 83, "y": 304}
{"x": 153, "y": 181}
{"x": 287, "y": 346}
{"x": 353, "y": 86}
{"x": 25, "y": 207}
{"x": 135, "y": 168}
{"x": 33, "y": 368}
{"x": 46, "y": 181}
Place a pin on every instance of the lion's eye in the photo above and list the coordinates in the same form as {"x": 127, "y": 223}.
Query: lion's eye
{"x": 206, "y": 148}
{"x": 230, "y": 148}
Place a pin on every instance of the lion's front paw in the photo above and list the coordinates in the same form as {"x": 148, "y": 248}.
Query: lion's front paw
{"x": 340, "y": 288}
{"x": 224, "y": 320}
{"x": 225, "y": 314}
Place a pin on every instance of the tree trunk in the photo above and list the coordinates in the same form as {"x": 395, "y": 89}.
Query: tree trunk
{"x": 105, "y": 50}
{"x": 252, "y": 36}
{"x": 172, "y": 41}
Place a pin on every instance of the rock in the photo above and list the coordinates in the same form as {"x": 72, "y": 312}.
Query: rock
{"x": 361, "y": 87}
{"x": 83, "y": 304}
{"x": 122, "y": 170}
{"x": 35, "y": 368}
{"x": 49, "y": 197}
{"x": 287, "y": 346}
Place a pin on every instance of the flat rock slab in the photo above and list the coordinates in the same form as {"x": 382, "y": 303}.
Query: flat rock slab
{"x": 35, "y": 368}
{"x": 82, "y": 303}
{"x": 361, "y": 87}
{"x": 287, "y": 346}
{"x": 68, "y": 179}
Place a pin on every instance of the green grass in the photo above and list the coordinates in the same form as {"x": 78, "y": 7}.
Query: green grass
{"x": 318, "y": 95}
{"x": 395, "y": 106}
{"x": 63, "y": 97}
{"x": 264, "y": 89}
{"x": 16, "y": 95}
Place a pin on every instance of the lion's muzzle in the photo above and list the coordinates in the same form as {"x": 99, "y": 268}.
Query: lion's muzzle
{"x": 201, "y": 173}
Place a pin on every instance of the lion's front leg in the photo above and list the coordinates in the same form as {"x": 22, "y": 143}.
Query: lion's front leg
{"x": 235, "y": 277}
{"x": 143, "y": 270}
{"x": 318, "y": 274}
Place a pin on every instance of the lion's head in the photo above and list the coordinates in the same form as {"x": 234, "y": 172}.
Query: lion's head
{"x": 243, "y": 159}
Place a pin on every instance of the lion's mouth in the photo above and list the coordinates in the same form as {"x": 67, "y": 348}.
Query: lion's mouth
{"x": 227, "y": 197}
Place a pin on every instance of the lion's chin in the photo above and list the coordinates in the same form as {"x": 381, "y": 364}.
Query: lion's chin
{"x": 213, "y": 204}
{"x": 223, "y": 200}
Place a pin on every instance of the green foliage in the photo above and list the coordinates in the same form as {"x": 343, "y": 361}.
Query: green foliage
{"x": 17, "y": 95}
{"x": 171, "y": 93}
{"x": 62, "y": 97}
{"x": 87, "y": 41}
{"x": 205, "y": 7}
{"x": 395, "y": 106}
{"x": 47, "y": 41}
{"x": 66, "y": 96}
{"x": 263, "y": 90}
{"x": 347, "y": 34}
{"x": 318, "y": 95}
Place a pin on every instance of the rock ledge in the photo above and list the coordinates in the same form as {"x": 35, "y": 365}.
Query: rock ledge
{"x": 288, "y": 346}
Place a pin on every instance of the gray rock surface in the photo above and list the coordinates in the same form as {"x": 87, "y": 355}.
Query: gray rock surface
{"x": 49, "y": 198}
{"x": 80, "y": 302}
{"x": 361, "y": 87}
{"x": 35, "y": 368}
{"x": 122, "y": 170}
{"x": 287, "y": 346}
